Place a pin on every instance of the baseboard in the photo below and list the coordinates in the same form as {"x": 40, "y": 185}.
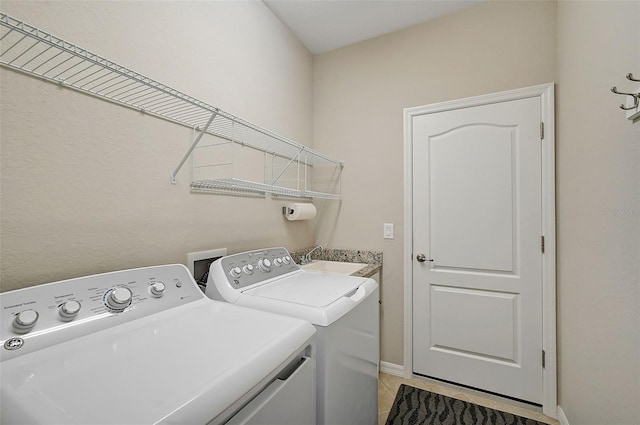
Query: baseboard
{"x": 392, "y": 368}
{"x": 562, "y": 418}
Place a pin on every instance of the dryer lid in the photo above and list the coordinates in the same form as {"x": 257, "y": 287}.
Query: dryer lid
{"x": 309, "y": 288}
{"x": 185, "y": 365}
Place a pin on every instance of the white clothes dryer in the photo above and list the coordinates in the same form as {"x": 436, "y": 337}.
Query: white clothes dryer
{"x": 145, "y": 346}
{"x": 344, "y": 310}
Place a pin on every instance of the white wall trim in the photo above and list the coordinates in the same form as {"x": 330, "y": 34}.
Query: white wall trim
{"x": 392, "y": 369}
{"x": 546, "y": 94}
{"x": 562, "y": 418}
{"x": 408, "y": 244}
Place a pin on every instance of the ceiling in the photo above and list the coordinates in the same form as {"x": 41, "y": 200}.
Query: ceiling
{"x": 323, "y": 25}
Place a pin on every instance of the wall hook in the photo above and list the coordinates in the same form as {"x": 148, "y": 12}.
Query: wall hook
{"x": 631, "y": 78}
{"x": 636, "y": 98}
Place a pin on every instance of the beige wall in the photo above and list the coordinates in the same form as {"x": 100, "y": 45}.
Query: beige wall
{"x": 359, "y": 95}
{"x": 85, "y": 184}
{"x": 598, "y": 219}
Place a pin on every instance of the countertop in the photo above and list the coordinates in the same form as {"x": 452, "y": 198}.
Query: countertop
{"x": 372, "y": 258}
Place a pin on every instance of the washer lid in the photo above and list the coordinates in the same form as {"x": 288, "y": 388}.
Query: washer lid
{"x": 307, "y": 288}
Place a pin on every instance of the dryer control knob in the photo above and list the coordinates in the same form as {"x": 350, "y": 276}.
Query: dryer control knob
{"x": 25, "y": 321}
{"x": 69, "y": 310}
{"x": 157, "y": 289}
{"x": 277, "y": 262}
{"x": 264, "y": 265}
{"x": 286, "y": 259}
{"x": 117, "y": 299}
{"x": 235, "y": 272}
{"x": 248, "y": 269}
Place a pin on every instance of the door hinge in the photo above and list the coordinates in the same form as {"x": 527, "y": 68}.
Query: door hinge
{"x": 542, "y": 244}
{"x": 543, "y": 358}
{"x": 541, "y": 130}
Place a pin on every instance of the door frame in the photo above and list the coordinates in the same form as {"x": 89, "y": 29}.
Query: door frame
{"x": 546, "y": 94}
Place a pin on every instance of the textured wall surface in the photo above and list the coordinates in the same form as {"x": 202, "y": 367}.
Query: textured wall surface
{"x": 86, "y": 184}
{"x": 598, "y": 220}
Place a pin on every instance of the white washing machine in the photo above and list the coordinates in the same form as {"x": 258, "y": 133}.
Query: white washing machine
{"x": 145, "y": 346}
{"x": 343, "y": 309}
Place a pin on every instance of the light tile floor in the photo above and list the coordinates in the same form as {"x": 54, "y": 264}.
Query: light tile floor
{"x": 388, "y": 387}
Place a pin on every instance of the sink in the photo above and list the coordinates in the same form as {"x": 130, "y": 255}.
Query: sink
{"x": 333, "y": 266}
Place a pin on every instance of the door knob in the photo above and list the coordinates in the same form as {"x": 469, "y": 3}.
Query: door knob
{"x": 422, "y": 258}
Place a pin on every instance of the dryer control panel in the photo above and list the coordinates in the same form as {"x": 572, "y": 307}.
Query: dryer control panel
{"x": 252, "y": 267}
{"x": 43, "y": 315}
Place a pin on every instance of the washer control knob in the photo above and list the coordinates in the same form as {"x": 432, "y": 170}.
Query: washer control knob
{"x": 277, "y": 262}
{"x": 248, "y": 269}
{"x": 264, "y": 265}
{"x": 117, "y": 299}
{"x": 235, "y": 272}
{"x": 25, "y": 321}
{"x": 69, "y": 310}
{"x": 286, "y": 259}
{"x": 157, "y": 289}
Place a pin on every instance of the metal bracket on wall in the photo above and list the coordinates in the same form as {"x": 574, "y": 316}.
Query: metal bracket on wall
{"x": 632, "y": 104}
{"x": 193, "y": 146}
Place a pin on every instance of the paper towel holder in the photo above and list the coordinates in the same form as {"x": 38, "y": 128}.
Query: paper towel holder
{"x": 294, "y": 211}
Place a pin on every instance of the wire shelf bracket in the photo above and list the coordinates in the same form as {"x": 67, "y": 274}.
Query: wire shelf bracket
{"x": 193, "y": 146}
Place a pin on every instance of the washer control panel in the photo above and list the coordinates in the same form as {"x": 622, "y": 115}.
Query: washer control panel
{"x": 248, "y": 268}
{"x": 42, "y": 315}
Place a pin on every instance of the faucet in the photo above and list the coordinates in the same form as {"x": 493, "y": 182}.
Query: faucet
{"x": 306, "y": 259}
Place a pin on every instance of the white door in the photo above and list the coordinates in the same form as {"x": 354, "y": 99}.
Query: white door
{"x": 477, "y": 220}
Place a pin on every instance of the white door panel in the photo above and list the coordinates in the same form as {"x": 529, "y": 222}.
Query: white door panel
{"x": 472, "y": 197}
{"x": 477, "y": 215}
{"x": 460, "y": 325}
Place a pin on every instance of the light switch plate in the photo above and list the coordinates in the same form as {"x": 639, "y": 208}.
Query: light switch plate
{"x": 388, "y": 230}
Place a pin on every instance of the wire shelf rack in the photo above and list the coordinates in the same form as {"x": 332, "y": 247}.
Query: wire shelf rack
{"x": 239, "y": 185}
{"x": 29, "y": 50}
